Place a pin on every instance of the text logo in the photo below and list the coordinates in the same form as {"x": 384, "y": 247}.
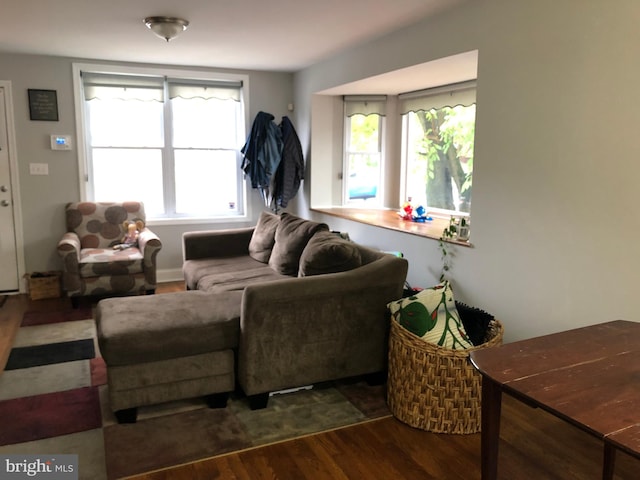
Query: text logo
{"x": 50, "y": 467}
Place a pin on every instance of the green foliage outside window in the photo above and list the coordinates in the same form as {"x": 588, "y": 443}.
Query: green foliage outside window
{"x": 442, "y": 156}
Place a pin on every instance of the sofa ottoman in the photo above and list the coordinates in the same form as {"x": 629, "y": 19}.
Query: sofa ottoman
{"x": 168, "y": 347}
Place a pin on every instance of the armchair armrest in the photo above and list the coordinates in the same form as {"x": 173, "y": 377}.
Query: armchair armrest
{"x": 216, "y": 243}
{"x": 150, "y": 245}
{"x": 69, "y": 245}
{"x": 69, "y": 249}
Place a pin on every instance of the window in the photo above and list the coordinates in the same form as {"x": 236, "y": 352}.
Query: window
{"x": 171, "y": 142}
{"x": 438, "y": 128}
{"x": 363, "y": 150}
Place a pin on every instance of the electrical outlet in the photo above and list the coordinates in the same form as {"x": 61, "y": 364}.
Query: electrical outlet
{"x": 39, "y": 169}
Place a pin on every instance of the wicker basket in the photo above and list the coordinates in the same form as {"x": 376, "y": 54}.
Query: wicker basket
{"x": 43, "y": 285}
{"x": 434, "y": 388}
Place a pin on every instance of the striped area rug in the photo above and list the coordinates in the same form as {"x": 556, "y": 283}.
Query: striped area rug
{"x": 54, "y": 399}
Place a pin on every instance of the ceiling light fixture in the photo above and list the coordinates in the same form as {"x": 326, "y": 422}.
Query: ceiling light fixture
{"x": 166, "y": 27}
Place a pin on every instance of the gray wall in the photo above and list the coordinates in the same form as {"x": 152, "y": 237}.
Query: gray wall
{"x": 42, "y": 198}
{"x": 556, "y": 161}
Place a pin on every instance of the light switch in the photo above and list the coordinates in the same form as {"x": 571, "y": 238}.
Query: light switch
{"x": 39, "y": 168}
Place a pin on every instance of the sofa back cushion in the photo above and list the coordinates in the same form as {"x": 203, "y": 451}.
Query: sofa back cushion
{"x": 264, "y": 237}
{"x": 100, "y": 225}
{"x": 326, "y": 252}
{"x": 292, "y": 235}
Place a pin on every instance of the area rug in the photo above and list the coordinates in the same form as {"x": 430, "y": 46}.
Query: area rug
{"x": 59, "y": 404}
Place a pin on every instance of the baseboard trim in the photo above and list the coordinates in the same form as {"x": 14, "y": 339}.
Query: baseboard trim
{"x": 169, "y": 275}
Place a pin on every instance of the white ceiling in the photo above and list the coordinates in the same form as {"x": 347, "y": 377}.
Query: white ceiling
{"x": 276, "y": 35}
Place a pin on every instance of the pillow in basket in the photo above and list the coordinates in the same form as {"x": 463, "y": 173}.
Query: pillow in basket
{"x": 431, "y": 315}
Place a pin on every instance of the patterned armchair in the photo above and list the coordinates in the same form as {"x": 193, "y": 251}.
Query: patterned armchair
{"x": 91, "y": 266}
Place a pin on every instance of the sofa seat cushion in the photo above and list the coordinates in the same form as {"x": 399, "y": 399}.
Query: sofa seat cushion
{"x": 96, "y": 262}
{"x": 326, "y": 252}
{"x": 150, "y": 328}
{"x": 237, "y": 280}
{"x": 222, "y": 269}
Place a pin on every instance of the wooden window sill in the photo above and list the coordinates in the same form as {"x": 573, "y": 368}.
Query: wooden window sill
{"x": 388, "y": 218}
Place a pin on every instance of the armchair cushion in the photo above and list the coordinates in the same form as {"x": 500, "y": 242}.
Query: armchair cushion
{"x": 99, "y": 225}
{"x": 292, "y": 235}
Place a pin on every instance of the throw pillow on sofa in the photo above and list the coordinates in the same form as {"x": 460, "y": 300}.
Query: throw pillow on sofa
{"x": 264, "y": 237}
{"x": 326, "y": 252}
{"x": 431, "y": 314}
{"x": 292, "y": 235}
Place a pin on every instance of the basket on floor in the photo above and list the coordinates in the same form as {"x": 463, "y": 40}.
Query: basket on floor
{"x": 434, "y": 388}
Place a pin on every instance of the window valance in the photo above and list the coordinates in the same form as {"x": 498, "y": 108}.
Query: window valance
{"x": 365, "y": 105}
{"x": 206, "y": 90}
{"x": 151, "y": 88}
{"x": 435, "y": 98}
{"x": 123, "y": 87}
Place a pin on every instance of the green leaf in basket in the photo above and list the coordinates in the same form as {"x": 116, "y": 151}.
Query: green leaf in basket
{"x": 415, "y": 318}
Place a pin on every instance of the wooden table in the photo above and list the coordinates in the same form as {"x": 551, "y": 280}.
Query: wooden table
{"x": 588, "y": 376}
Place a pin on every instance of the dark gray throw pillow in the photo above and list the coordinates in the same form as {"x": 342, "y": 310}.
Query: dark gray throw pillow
{"x": 326, "y": 252}
{"x": 264, "y": 236}
{"x": 292, "y": 236}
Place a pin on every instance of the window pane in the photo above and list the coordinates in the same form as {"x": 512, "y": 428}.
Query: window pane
{"x": 129, "y": 174}
{"x": 363, "y": 162}
{"x": 206, "y": 182}
{"x": 364, "y": 134}
{"x": 364, "y": 176}
{"x": 200, "y": 123}
{"x": 125, "y": 123}
{"x": 439, "y": 157}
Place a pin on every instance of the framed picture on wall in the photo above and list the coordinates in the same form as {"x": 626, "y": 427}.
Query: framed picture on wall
{"x": 43, "y": 105}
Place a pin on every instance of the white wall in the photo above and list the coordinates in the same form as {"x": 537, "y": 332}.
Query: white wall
{"x": 43, "y": 198}
{"x": 556, "y": 157}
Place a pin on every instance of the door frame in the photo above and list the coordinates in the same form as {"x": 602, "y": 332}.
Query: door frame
{"x": 14, "y": 178}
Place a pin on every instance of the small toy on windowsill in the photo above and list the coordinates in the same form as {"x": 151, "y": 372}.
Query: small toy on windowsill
{"x": 420, "y": 215}
{"x": 407, "y": 211}
{"x": 417, "y": 215}
{"x": 130, "y": 238}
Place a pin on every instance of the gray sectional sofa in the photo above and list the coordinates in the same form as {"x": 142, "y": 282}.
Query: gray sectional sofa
{"x": 284, "y": 304}
{"x": 313, "y": 305}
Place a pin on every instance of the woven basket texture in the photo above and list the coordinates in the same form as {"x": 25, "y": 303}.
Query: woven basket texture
{"x": 46, "y": 286}
{"x": 434, "y": 388}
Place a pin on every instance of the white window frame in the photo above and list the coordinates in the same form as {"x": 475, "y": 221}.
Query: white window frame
{"x": 437, "y": 97}
{"x": 83, "y": 168}
{"x": 350, "y": 105}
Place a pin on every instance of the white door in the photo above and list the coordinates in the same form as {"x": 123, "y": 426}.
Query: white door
{"x": 9, "y": 278}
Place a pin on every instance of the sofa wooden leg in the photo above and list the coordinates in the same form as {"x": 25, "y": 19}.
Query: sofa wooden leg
{"x": 127, "y": 415}
{"x": 151, "y": 291}
{"x": 258, "y": 402}
{"x": 217, "y": 400}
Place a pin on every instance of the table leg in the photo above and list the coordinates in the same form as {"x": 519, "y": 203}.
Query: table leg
{"x": 609, "y": 461}
{"x": 491, "y": 410}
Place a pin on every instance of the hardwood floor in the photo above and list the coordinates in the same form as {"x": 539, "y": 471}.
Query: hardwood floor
{"x": 533, "y": 443}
